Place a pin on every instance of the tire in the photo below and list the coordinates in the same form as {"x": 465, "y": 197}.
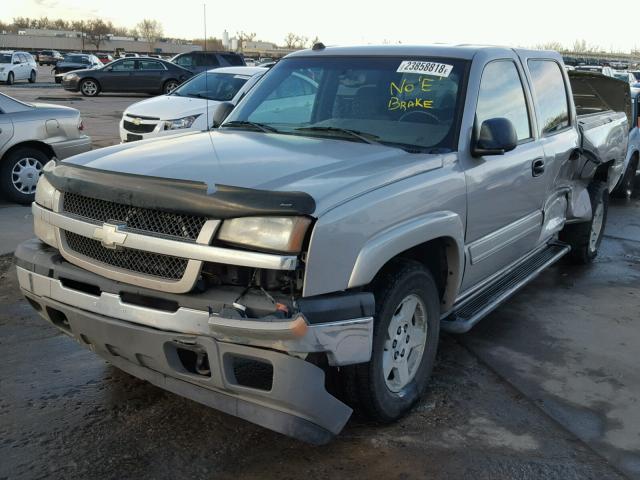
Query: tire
{"x": 32, "y": 77}
{"x": 89, "y": 87}
{"x": 386, "y": 398}
{"x": 585, "y": 237}
{"x": 169, "y": 86}
{"x": 19, "y": 173}
{"x": 10, "y": 78}
{"x": 58, "y": 80}
{"x": 626, "y": 185}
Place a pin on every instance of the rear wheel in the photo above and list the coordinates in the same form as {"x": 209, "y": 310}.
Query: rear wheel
{"x": 169, "y": 86}
{"x": 19, "y": 174}
{"x": 585, "y": 238}
{"x": 89, "y": 87}
{"x": 10, "y": 78}
{"x": 625, "y": 188}
{"x": 405, "y": 341}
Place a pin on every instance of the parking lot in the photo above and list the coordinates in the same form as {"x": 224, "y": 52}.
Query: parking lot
{"x": 545, "y": 387}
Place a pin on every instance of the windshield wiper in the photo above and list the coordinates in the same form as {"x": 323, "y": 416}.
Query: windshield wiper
{"x": 362, "y": 136}
{"x": 254, "y": 125}
{"x": 198, "y": 95}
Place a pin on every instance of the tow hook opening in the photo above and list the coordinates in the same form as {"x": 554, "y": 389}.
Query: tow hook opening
{"x": 194, "y": 360}
{"x": 59, "y": 319}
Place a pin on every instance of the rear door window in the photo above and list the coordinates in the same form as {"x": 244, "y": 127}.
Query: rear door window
{"x": 233, "y": 60}
{"x": 149, "y": 65}
{"x": 124, "y": 65}
{"x": 185, "y": 61}
{"x": 502, "y": 96}
{"x": 207, "y": 60}
{"x": 551, "y": 95}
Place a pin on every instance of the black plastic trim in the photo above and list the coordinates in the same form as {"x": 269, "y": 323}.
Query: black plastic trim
{"x": 178, "y": 196}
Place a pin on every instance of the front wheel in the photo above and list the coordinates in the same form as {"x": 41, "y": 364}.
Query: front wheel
{"x": 32, "y": 77}
{"x": 585, "y": 238}
{"x": 405, "y": 342}
{"x": 10, "y": 78}
{"x": 89, "y": 87}
{"x": 169, "y": 86}
{"x": 19, "y": 174}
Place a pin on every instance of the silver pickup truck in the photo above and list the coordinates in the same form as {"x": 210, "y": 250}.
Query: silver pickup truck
{"x": 302, "y": 259}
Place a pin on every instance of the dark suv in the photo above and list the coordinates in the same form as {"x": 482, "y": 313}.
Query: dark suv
{"x": 200, "y": 61}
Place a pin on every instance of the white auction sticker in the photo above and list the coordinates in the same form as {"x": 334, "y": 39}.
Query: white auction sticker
{"x": 427, "y": 68}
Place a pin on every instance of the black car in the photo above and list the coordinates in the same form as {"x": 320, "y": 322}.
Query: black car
{"x": 200, "y": 61}
{"x": 75, "y": 61}
{"x": 142, "y": 74}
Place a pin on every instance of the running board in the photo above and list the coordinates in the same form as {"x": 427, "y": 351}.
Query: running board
{"x": 471, "y": 310}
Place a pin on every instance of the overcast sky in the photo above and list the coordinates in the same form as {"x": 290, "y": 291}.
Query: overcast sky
{"x": 607, "y": 24}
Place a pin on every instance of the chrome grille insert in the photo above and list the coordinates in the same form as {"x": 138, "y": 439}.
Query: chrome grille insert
{"x": 146, "y": 263}
{"x": 143, "y": 220}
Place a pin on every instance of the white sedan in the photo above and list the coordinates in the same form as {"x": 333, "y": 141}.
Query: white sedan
{"x": 17, "y": 66}
{"x": 190, "y": 106}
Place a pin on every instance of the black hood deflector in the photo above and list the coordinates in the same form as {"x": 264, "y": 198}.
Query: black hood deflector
{"x": 178, "y": 196}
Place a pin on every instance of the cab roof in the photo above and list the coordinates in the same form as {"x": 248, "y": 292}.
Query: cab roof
{"x": 462, "y": 51}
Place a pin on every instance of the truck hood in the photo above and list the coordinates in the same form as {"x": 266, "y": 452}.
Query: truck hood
{"x": 331, "y": 171}
{"x": 169, "y": 107}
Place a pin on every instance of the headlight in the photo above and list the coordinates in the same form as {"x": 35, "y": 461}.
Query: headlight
{"x": 280, "y": 234}
{"x": 71, "y": 76}
{"x": 184, "y": 122}
{"x": 45, "y": 192}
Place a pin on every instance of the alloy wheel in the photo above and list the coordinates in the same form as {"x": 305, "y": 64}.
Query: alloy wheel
{"x": 405, "y": 343}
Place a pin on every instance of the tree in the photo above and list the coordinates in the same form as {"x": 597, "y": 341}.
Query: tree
{"x": 293, "y": 40}
{"x": 150, "y": 31}
{"x": 557, "y": 46}
{"x": 22, "y": 22}
{"x": 97, "y": 31}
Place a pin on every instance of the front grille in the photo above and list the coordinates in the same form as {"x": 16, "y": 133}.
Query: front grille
{"x": 142, "y": 128}
{"x": 163, "y": 266}
{"x": 144, "y": 220}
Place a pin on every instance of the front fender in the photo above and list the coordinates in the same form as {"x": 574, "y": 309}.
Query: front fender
{"x": 399, "y": 238}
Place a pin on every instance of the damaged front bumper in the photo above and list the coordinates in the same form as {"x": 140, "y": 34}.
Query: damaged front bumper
{"x": 251, "y": 368}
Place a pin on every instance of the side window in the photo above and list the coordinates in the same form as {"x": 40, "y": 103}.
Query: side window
{"x": 551, "y": 95}
{"x": 149, "y": 65}
{"x": 207, "y": 60}
{"x": 501, "y": 95}
{"x": 22, "y": 58}
{"x": 185, "y": 61}
{"x": 233, "y": 60}
{"x": 124, "y": 65}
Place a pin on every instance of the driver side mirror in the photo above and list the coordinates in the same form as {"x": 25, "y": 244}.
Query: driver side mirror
{"x": 221, "y": 112}
{"x": 496, "y": 136}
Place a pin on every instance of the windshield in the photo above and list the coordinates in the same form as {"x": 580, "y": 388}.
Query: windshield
{"x": 5, "y": 58}
{"x": 214, "y": 86}
{"x": 408, "y": 102}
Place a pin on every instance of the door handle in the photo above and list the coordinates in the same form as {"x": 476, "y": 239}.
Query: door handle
{"x": 537, "y": 167}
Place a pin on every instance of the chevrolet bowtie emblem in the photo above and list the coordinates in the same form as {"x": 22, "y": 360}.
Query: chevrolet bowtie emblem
{"x": 136, "y": 121}
{"x": 110, "y": 235}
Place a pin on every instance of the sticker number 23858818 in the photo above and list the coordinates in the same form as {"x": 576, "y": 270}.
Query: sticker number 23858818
{"x": 427, "y": 68}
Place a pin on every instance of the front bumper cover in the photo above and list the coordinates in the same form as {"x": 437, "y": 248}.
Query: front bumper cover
{"x": 144, "y": 342}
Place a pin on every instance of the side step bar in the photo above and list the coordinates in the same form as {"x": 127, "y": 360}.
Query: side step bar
{"x": 471, "y": 310}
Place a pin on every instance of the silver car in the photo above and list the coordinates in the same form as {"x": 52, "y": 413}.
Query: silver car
{"x": 31, "y": 134}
